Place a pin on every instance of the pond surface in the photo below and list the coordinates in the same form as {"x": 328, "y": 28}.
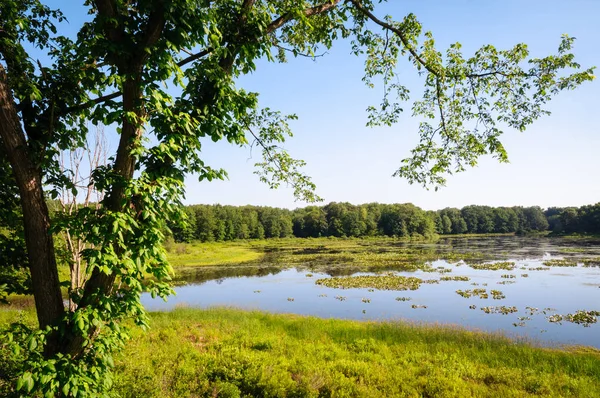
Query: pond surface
{"x": 532, "y": 300}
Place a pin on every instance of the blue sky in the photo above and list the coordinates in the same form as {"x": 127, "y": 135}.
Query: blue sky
{"x": 554, "y": 163}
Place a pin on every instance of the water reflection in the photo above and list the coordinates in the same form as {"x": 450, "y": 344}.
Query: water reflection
{"x": 525, "y": 307}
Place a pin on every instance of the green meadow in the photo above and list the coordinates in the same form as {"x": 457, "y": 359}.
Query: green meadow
{"x": 230, "y": 353}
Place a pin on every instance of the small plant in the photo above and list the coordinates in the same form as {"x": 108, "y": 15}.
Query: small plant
{"x": 290, "y": 299}
{"x": 403, "y": 299}
{"x": 504, "y": 265}
{"x": 505, "y": 282}
{"x": 481, "y": 293}
{"x": 560, "y": 263}
{"x": 455, "y": 278}
{"x": 556, "y": 318}
{"x": 341, "y": 298}
{"x": 532, "y": 310}
{"x": 504, "y": 310}
{"x": 497, "y": 294}
{"x": 585, "y": 318}
{"x": 415, "y": 306}
{"x": 365, "y": 300}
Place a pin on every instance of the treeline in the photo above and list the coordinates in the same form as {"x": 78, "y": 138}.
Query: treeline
{"x": 574, "y": 220}
{"x": 218, "y": 223}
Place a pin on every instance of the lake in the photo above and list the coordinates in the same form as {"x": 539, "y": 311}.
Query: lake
{"x": 535, "y": 294}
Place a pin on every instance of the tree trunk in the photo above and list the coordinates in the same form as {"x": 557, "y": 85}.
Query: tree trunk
{"x": 38, "y": 239}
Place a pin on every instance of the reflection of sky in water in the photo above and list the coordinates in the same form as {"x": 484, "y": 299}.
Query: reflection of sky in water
{"x": 564, "y": 289}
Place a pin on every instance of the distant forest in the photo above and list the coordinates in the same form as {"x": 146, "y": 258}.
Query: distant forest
{"x": 218, "y": 223}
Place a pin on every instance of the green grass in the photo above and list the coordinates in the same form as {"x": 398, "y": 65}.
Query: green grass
{"x": 232, "y": 353}
{"x": 199, "y": 254}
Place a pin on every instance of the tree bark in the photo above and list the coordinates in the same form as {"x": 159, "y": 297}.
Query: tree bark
{"x": 38, "y": 239}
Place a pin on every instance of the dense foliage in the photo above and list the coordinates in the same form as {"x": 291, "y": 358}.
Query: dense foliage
{"x": 217, "y": 223}
{"x": 164, "y": 75}
{"x": 570, "y": 220}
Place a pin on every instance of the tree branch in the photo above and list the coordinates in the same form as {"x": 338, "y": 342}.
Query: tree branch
{"x": 397, "y": 31}
{"x": 108, "y": 10}
{"x": 282, "y": 20}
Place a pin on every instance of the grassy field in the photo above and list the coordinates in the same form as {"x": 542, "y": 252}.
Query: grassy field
{"x": 199, "y": 254}
{"x": 232, "y": 353}
{"x": 223, "y": 352}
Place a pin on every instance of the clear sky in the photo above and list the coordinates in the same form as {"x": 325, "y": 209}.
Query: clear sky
{"x": 554, "y": 163}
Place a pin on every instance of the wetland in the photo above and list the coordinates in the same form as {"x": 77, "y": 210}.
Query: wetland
{"x": 539, "y": 289}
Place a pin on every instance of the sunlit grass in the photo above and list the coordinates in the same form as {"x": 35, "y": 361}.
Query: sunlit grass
{"x": 223, "y": 352}
{"x": 199, "y": 254}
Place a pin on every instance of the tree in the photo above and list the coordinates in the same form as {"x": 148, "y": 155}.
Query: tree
{"x": 115, "y": 72}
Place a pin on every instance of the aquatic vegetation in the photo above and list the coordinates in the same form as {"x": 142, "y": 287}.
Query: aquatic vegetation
{"x": 379, "y": 282}
{"x": 403, "y": 299}
{"x": 290, "y": 299}
{"x": 504, "y": 310}
{"x": 481, "y": 293}
{"x": 431, "y": 281}
{"x": 497, "y": 294}
{"x": 560, "y": 263}
{"x": 573, "y": 250}
{"x": 532, "y": 310}
{"x": 473, "y": 307}
{"x": 309, "y": 275}
{"x": 508, "y": 276}
{"x": 341, "y": 298}
{"x": 455, "y": 278}
{"x": 519, "y": 324}
{"x": 365, "y": 300}
{"x": 322, "y": 295}
{"x": 539, "y": 269}
{"x": 257, "y": 291}
{"x": 474, "y": 284}
{"x": 443, "y": 270}
{"x": 415, "y": 306}
{"x": 524, "y": 275}
{"x": 591, "y": 262}
{"x": 371, "y": 289}
{"x": 506, "y": 282}
{"x": 556, "y": 318}
{"x": 582, "y": 317}
{"x": 501, "y": 265}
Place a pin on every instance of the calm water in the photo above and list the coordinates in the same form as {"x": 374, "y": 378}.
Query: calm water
{"x": 560, "y": 290}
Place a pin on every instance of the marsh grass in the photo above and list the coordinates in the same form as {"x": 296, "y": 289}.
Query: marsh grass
{"x": 231, "y": 353}
{"x": 199, "y": 254}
